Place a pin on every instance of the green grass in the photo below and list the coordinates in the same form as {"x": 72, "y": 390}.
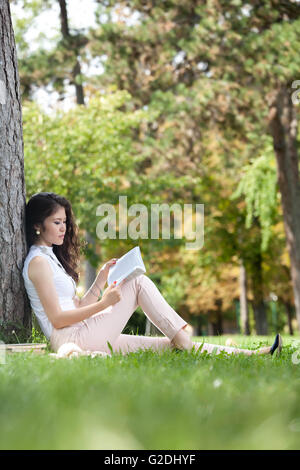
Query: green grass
{"x": 146, "y": 400}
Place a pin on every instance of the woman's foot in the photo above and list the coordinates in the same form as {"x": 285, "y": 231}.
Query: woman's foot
{"x": 271, "y": 349}
{"x": 277, "y": 345}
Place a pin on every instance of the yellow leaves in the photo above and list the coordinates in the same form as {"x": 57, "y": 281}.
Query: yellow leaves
{"x": 278, "y": 229}
{"x": 285, "y": 259}
{"x": 211, "y": 288}
{"x": 166, "y": 125}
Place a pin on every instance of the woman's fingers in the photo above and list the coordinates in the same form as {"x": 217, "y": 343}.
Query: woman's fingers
{"x": 111, "y": 262}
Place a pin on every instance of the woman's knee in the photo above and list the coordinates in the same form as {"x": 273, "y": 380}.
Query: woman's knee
{"x": 142, "y": 277}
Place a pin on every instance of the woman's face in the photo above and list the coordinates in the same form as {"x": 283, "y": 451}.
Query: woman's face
{"x": 55, "y": 226}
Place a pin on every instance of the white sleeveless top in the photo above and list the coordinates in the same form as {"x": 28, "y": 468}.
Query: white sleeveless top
{"x": 64, "y": 284}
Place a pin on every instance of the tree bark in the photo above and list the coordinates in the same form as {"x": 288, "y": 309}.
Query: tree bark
{"x": 198, "y": 328}
{"x": 259, "y": 308}
{"x": 215, "y": 321}
{"x": 219, "y": 317}
{"x": 68, "y": 40}
{"x": 289, "y": 313}
{"x": 244, "y": 312}
{"x": 15, "y": 310}
{"x": 283, "y": 128}
{"x": 90, "y": 271}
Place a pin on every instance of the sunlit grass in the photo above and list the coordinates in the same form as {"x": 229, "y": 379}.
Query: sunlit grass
{"x": 147, "y": 400}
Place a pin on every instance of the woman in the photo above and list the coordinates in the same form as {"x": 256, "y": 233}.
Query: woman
{"x": 50, "y": 277}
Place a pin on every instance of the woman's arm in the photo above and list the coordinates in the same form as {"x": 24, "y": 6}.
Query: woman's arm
{"x": 98, "y": 285}
{"x": 41, "y": 275}
{"x": 91, "y": 295}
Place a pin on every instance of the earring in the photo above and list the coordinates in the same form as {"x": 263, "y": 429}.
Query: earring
{"x": 37, "y": 232}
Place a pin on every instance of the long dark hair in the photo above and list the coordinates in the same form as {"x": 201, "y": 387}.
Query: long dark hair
{"x": 38, "y": 208}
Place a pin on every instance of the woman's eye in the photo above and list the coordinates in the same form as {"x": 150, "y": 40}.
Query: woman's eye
{"x": 58, "y": 223}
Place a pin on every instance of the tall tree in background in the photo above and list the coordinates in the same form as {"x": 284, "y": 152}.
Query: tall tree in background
{"x": 215, "y": 58}
{"x": 244, "y": 311}
{"x": 14, "y": 305}
{"x": 74, "y": 43}
{"x": 284, "y": 129}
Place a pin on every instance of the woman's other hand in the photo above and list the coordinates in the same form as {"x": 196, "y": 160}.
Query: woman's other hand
{"x": 111, "y": 295}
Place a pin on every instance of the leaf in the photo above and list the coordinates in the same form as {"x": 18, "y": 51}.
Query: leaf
{"x": 110, "y": 347}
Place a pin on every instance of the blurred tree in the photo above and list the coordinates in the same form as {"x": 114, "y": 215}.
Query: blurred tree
{"x": 244, "y": 311}
{"x": 54, "y": 63}
{"x": 197, "y": 63}
{"x": 75, "y": 43}
{"x": 83, "y": 153}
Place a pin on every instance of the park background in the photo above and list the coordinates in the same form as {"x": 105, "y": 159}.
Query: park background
{"x": 177, "y": 103}
{"x": 164, "y": 102}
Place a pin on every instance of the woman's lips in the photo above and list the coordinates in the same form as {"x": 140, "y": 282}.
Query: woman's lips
{"x": 61, "y": 236}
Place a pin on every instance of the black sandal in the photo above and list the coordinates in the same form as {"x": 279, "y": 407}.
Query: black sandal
{"x": 276, "y": 345}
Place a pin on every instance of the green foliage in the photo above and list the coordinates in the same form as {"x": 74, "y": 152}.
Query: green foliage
{"x": 136, "y": 324}
{"x": 13, "y": 332}
{"x": 259, "y": 189}
{"x": 83, "y": 153}
{"x": 37, "y": 336}
{"x": 174, "y": 284}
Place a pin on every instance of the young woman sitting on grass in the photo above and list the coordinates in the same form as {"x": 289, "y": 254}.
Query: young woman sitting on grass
{"x": 50, "y": 276}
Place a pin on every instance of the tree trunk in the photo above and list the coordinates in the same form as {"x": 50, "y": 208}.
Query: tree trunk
{"x": 198, "y": 329}
{"x": 289, "y": 313}
{"x": 219, "y": 317}
{"x": 71, "y": 44}
{"x": 244, "y": 312}
{"x": 215, "y": 323}
{"x": 283, "y": 127}
{"x": 211, "y": 330}
{"x": 259, "y": 308}
{"x": 90, "y": 271}
{"x": 15, "y": 310}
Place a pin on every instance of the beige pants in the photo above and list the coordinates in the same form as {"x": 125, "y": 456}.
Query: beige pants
{"x": 94, "y": 333}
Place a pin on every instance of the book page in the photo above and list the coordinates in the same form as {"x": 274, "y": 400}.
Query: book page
{"x": 128, "y": 266}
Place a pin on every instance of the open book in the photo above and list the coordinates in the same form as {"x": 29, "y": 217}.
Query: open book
{"x": 128, "y": 266}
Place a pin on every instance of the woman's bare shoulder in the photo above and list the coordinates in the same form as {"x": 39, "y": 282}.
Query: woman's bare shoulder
{"x": 37, "y": 266}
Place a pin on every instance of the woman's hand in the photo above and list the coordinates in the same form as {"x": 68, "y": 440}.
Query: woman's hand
{"x": 111, "y": 295}
{"x": 103, "y": 273}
